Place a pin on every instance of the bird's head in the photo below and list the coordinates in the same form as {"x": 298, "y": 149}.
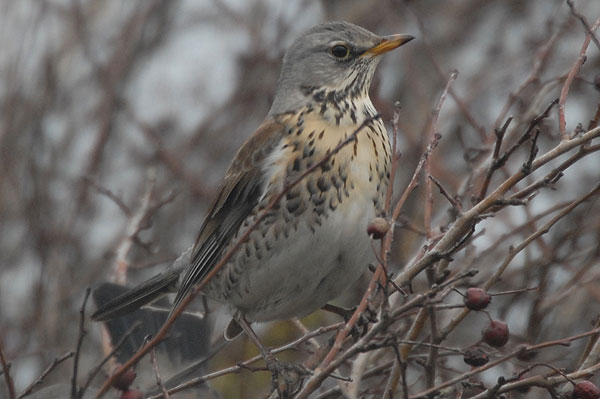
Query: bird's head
{"x": 334, "y": 57}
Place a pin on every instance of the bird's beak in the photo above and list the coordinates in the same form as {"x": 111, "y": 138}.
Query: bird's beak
{"x": 388, "y": 44}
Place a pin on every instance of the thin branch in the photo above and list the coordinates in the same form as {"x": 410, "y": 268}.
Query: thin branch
{"x": 427, "y": 167}
{"x": 515, "y": 251}
{"x": 465, "y": 222}
{"x": 245, "y": 364}
{"x": 440, "y": 70}
{"x": 134, "y": 226}
{"x": 6, "y": 371}
{"x": 541, "y": 56}
{"x": 418, "y": 300}
{"x": 395, "y": 155}
{"x": 500, "y": 133}
{"x": 562, "y": 123}
{"x": 40, "y": 379}
{"x": 94, "y": 372}
{"x": 519, "y": 351}
{"x": 584, "y": 22}
{"x": 157, "y": 375}
{"x": 109, "y": 194}
{"x": 75, "y": 392}
{"x": 456, "y": 205}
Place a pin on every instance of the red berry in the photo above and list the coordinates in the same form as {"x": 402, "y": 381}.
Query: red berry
{"x": 123, "y": 381}
{"x": 132, "y": 394}
{"x": 477, "y": 299}
{"x": 475, "y": 357}
{"x": 495, "y": 334}
{"x": 586, "y": 390}
{"x": 377, "y": 228}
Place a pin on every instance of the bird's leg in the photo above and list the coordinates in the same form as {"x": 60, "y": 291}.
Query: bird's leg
{"x": 344, "y": 313}
{"x": 368, "y": 316}
{"x": 264, "y": 351}
{"x": 292, "y": 375}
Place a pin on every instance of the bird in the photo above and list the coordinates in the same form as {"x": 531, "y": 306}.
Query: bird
{"x": 302, "y": 189}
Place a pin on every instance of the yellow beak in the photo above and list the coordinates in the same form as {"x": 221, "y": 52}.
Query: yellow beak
{"x": 388, "y": 44}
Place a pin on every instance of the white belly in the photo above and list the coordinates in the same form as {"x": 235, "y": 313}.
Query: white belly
{"x": 307, "y": 269}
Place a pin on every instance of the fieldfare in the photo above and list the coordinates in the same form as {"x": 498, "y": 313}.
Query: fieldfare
{"x": 312, "y": 244}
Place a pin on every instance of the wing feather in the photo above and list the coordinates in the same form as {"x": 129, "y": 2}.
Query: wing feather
{"x": 240, "y": 193}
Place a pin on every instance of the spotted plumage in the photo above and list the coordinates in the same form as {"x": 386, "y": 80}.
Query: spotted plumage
{"x": 313, "y": 243}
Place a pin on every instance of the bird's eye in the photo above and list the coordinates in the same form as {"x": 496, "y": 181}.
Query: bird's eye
{"x": 340, "y": 51}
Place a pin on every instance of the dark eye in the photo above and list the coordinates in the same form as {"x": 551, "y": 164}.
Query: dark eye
{"x": 340, "y": 51}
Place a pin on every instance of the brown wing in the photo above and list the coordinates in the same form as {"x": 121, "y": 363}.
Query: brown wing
{"x": 239, "y": 194}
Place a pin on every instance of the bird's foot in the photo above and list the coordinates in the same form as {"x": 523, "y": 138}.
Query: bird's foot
{"x": 286, "y": 378}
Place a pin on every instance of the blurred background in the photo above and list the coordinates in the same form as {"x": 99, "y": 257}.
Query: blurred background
{"x": 107, "y": 104}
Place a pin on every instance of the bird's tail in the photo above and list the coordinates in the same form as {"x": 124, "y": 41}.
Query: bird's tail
{"x": 110, "y": 307}
{"x": 112, "y": 302}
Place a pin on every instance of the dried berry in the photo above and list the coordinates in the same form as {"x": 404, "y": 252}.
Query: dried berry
{"x": 378, "y": 228}
{"x": 586, "y": 390}
{"x": 495, "y": 334}
{"x": 477, "y": 299}
{"x": 123, "y": 382}
{"x": 132, "y": 394}
{"x": 475, "y": 357}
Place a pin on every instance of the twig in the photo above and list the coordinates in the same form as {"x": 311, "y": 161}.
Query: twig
{"x": 75, "y": 392}
{"x": 541, "y": 56}
{"x": 515, "y": 251}
{"x": 134, "y": 226}
{"x": 245, "y": 364}
{"x": 6, "y": 371}
{"x": 92, "y": 374}
{"x": 464, "y": 223}
{"x": 512, "y": 354}
{"x": 499, "y": 161}
{"x": 500, "y": 133}
{"x": 427, "y": 167}
{"x": 157, "y": 375}
{"x": 40, "y": 379}
{"x": 395, "y": 155}
{"x": 456, "y": 205}
{"x": 459, "y": 102}
{"x": 555, "y": 174}
{"x": 109, "y": 194}
{"x": 562, "y": 123}
{"x": 584, "y": 22}
{"x": 358, "y": 347}
{"x": 526, "y": 168}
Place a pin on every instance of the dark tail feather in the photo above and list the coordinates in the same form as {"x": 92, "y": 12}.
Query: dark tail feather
{"x": 111, "y": 304}
{"x": 187, "y": 340}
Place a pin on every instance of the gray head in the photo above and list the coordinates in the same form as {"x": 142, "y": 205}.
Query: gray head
{"x": 335, "y": 59}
